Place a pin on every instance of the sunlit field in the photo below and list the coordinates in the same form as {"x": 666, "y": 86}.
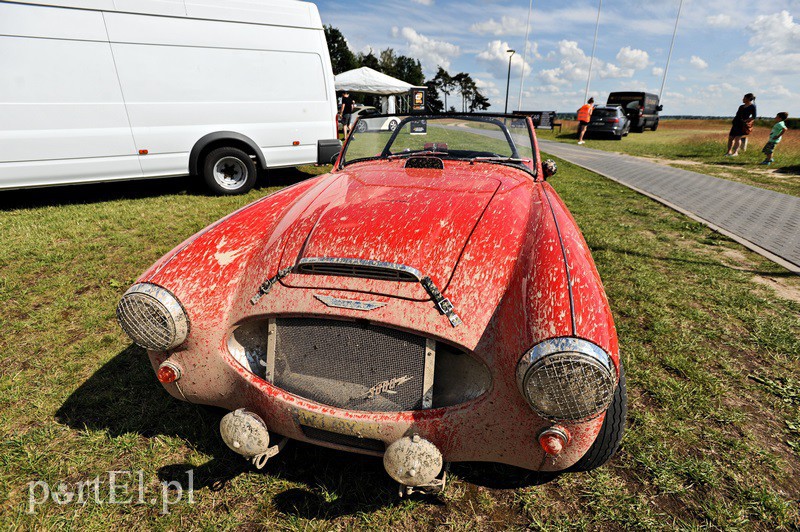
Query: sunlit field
{"x": 699, "y": 145}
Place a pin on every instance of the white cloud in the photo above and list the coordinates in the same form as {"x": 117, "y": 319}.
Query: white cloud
{"x": 506, "y": 26}
{"x": 574, "y": 65}
{"x": 423, "y": 2}
{"x": 633, "y": 58}
{"x": 430, "y": 52}
{"x": 487, "y": 88}
{"x": 698, "y": 63}
{"x": 720, "y": 21}
{"x": 776, "y": 42}
{"x": 496, "y": 58}
{"x": 657, "y": 71}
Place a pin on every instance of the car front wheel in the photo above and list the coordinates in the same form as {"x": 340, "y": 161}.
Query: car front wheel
{"x": 392, "y": 125}
{"x": 229, "y": 171}
{"x": 361, "y": 127}
{"x": 610, "y": 435}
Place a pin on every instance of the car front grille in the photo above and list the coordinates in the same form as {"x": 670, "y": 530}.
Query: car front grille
{"x": 350, "y": 365}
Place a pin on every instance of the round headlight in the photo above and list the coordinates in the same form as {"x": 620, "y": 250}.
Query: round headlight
{"x": 567, "y": 379}
{"x": 152, "y": 317}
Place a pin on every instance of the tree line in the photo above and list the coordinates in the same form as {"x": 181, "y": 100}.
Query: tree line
{"x": 408, "y": 69}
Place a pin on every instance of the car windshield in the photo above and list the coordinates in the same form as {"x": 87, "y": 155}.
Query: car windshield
{"x": 475, "y": 138}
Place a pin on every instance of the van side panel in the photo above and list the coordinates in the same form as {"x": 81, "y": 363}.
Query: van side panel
{"x": 63, "y": 117}
{"x": 183, "y": 79}
{"x": 162, "y": 7}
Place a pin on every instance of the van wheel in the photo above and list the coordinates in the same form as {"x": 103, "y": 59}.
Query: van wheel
{"x": 229, "y": 171}
{"x": 610, "y": 436}
{"x": 655, "y": 125}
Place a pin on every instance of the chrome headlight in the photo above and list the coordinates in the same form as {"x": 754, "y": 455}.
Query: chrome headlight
{"x": 567, "y": 379}
{"x": 152, "y": 317}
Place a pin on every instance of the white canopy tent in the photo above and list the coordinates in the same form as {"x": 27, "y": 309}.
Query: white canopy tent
{"x": 365, "y": 79}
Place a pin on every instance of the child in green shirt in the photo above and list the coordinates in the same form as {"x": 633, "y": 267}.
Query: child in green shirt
{"x": 775, "y": 137}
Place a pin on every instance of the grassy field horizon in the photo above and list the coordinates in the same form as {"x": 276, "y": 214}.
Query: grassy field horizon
{"x": 699, "y": 145}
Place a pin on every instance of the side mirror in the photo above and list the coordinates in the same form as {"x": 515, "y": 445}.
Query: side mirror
{"x": 549, "y": 168}
{"x": 660, "y": 107}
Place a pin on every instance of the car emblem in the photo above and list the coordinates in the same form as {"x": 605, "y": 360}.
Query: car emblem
{"x": 349, "y": 303}
{"x": 387, "y": 386}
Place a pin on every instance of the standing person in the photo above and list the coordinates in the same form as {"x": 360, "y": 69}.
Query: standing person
{"x": 742, "y": 125}
{"x": 775, "y": 137}
{"x": 346, "y": 112}
{"x": 584, "y": 115}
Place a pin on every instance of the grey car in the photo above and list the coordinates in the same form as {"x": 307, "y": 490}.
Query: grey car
{"x": 609, "y": 120}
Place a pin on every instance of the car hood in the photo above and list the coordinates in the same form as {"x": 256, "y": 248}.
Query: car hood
{"x": 408, "y": 217}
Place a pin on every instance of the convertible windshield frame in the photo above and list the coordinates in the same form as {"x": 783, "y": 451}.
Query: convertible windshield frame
{"x": 498, "y": 120}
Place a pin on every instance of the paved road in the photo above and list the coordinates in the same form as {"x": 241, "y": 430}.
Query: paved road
{"x": 765, "y": 221}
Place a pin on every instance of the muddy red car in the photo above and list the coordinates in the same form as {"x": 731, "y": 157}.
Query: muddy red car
{"x": 430, "y": 300}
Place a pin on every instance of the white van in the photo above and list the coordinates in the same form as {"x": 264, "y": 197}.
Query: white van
{"x": 102, "y": 90}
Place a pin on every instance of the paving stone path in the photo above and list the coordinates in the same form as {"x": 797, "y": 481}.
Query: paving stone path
{"x": 765, "y": 221}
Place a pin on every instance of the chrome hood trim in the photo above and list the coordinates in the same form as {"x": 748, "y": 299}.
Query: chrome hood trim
{"x": 367, "y": 269}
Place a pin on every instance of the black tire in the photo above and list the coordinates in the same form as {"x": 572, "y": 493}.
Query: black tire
{"x": 610, "y": 435}
{"x": 618, "y": 137}
{"x": 393, "y": 125}
{"x": 229, "y": 171}
{"x": 655, "y": 125}
{"x": 361, "y": 127}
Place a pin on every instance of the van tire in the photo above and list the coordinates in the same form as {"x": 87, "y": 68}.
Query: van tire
{"x": 608, "y": 439}
{"x": 655, "y": 125}
{"x": 229, "y": 171}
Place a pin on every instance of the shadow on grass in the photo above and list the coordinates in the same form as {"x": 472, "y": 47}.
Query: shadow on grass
{"x": 124, "y": 397}
{"x": 795, "y": 169}
{"x": 136, "y": 189}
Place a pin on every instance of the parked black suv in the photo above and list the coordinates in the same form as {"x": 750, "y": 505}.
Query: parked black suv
{"x": 609, "y": 119}
{"x": 641, "y": 107}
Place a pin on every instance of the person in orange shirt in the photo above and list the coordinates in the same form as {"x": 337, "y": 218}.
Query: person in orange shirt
{"x": 584, "y": 115}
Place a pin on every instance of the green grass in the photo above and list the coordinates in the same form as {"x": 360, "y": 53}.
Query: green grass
{"x": 699, "y": 146}
{"x": 711, "y": 352}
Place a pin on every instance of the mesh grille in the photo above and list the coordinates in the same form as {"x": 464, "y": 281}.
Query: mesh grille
{"x": 357, "y": 270}
{"x": 343, "y": 439}
{"x": 350, "y": 365}
{"x": 146, "y": 321}
{"x": 569, "y": 386}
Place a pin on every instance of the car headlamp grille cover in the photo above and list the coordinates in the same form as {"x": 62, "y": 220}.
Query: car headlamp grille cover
{"x": 152, "y": 317}
{"x": 567, "y": 379}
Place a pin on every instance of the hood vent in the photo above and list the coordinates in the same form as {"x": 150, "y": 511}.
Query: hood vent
{"x": 365, "y": 269}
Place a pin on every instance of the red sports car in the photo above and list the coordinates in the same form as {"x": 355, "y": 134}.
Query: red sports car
{"x": 430, "y": 300}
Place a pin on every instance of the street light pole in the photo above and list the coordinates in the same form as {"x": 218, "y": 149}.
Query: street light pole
{"x": 508, "y": 81}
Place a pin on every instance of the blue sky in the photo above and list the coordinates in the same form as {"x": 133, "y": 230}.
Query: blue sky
{"x": 724, "y": 48}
